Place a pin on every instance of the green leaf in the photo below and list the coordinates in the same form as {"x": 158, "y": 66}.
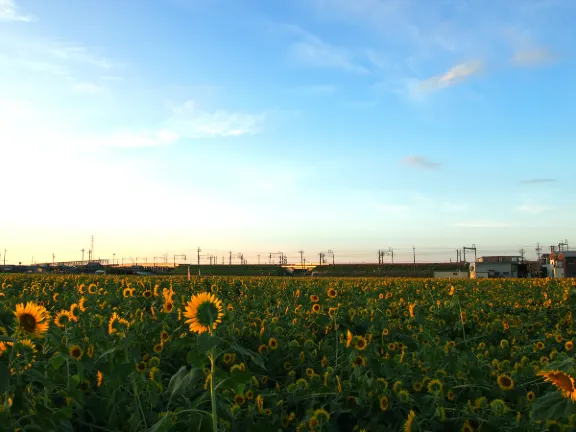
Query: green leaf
{"x": 176, "y": 379}
{"x": 163, "y": 425}
{"x": 57, "y": 361}
{"x": 552, "y": 406}
{"x": 256, "y": 358}
{"x": 105, "y": 353}
{"x": 196, "y": 358}
{"x": 207, "y": 342}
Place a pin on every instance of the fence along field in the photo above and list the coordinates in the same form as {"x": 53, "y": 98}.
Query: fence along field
{"x": 269, "y": 354}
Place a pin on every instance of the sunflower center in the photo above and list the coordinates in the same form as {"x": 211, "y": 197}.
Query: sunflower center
{"x": 28, "y": 323}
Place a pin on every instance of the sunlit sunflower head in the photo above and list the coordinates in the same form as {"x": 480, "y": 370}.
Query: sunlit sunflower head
{"x": 168, "y": 306}
{"x": 90, "y": 351}
{"x": 530, "y": 396}
{"x": 204, "y": 312}
{"x": 164, "y": 336}
{"x": 99, "y": 378}
{"x": 316, "y": 308}
{"x": 62, "y": 318}
{"x": 563, "y": 381}
{"x": 505, "y": 382}
{"x": 75, "y": 352}
{"x": 147, "y": 294}
{"x": 33, "y": 319}
{"x": 158, "y": 348}
{"x": 332, "y": 293}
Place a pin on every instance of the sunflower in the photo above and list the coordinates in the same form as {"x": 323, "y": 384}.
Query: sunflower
{"x": 158, "y": 348}
{"x": 164, "y": 336}
{"x": 450, "y": 395}
{"x": 310, "y": 372}
{"x": 168, "y": 306}
{"x": 141, "y": 367}
{"x": 127, "y": 292}
{"x": 72, "y": 312}
{"x": 434, "y": 386}
{"x": 81, "y": 304}
{"x": 505, "y": 382}
{"x": 315, "y": 308}
{"x": 2, "y": 348}
{"x": 568, "y": 346}
{"x": 563, "y": 381}
{"x": 99, "y": 378}
{"x": 62, "y": 318}
{"x": 409, "y": 421}
{"x": 263, "y": 348}
{"x": 360, "y": 343}
{"x": 273, "y": 343}
{"x": 530, "y": 396}
{"x": 239, "y": 400}
{"x": 331, "y": 292}
{"x": 90, "y": 351}
{"x": 383, "y": 402}
{"x": 32, "y": 319}
{"x": 314, "y": 298}
{"x": 75, "y": 352}
{"x": 204, "y": 313}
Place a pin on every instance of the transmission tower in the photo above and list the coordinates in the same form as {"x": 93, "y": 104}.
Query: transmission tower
{"x": 538, "y": 250}
{"x": 301, "y": 252}
{"x": 473, "y": 248}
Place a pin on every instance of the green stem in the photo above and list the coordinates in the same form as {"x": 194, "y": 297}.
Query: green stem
{"x": 138, "y": 401}
{"x": 213, "y": 392}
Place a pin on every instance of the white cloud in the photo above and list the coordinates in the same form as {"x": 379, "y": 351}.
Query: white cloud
{"x": 87, "y": 87}
{"x": 452, "y": 76}
{"x": 481, "y": 224}
{"x": 420, "y": 162}
{"x": 533, "y": 208}
{"x": 192, "y": 122}
{"x": 9, "y": 12}
{"x": 533, "y": 57}
{"x": 313, "y": 51}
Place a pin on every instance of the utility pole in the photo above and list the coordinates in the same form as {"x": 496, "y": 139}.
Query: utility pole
{"x": 473, "y": 248}
{"x": 331, "y": 253}
{"x": 538, "y": 251}
{"x": 53, "y": 258}
{"x": 522, "y": 252}
{"x": 92, "y": 248}
{"x": 230, "y": 259}
{"x": 414, "y": 255}
{"x": 301, "y": 252}
{"x": 199, "y": 250}
{"x": 82, "y": 255}
{"x": 4, "y": 257}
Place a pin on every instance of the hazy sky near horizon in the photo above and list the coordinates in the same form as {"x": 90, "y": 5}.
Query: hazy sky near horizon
{"x": 252, "y": 126}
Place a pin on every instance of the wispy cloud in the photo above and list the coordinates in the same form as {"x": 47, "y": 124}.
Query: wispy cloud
{"x": 9, "y": 12}
{"x": 191, "y": 122}
{"x": 533, "y": 57}
{"x": 420, "y": 162}
{"x": 313, "y": 51}
{"x": 538, "y": 181}
{"x": 481, "y": 224}
{"x": 453, "y": 76}
{"x": 532, "y": 208}
{"x": 87, "y": 88}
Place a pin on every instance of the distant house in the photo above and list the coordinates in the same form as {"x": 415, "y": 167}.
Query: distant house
{"x": 498, "y": 267}
{"x": 559, "y": 265}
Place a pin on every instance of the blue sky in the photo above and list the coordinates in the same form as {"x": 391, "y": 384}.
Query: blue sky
{"x": 160, "y": 126}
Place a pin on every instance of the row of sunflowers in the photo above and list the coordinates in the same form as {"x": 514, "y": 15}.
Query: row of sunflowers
{"x": 286, "y": 354}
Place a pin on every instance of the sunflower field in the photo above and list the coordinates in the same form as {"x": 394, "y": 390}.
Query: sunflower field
{"x": 105, "y": 353}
